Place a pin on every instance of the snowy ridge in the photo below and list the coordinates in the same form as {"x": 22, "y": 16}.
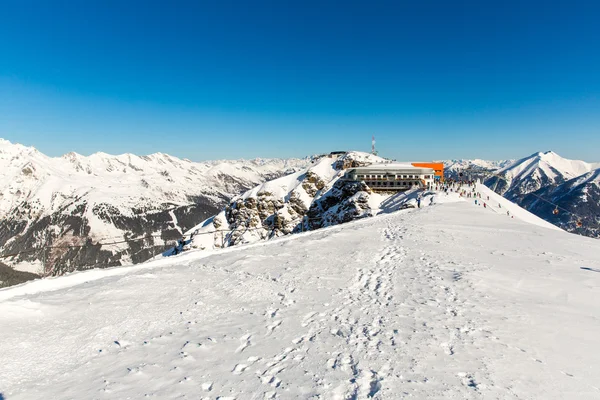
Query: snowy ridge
{"x": 449, "y": 301}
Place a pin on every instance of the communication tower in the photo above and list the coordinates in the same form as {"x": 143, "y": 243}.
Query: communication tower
{"x": 373, "y": 151}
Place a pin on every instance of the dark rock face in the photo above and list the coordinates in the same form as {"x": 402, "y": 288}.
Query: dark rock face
{"x": 72, "y": 249}
{"x": 344, "y": 202}
{"x": 10, "y": 277}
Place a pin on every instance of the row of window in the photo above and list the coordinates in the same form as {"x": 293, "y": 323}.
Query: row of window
{"x": 391, "y": 176}
{"x": 394, "y": 184}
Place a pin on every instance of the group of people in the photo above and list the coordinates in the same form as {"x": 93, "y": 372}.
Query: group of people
{"x": 448, "y": 186}
{"x": 459, "y": 187}
{"x": 477, "y": 196}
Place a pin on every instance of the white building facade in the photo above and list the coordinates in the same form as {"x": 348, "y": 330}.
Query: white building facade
{"x": 392, "y": 176}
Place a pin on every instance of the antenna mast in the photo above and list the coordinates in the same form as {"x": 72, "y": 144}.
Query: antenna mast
{"x": 373, "y": 151}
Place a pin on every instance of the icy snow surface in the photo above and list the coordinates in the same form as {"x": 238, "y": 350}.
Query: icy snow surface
{"x": 448, "y": 301}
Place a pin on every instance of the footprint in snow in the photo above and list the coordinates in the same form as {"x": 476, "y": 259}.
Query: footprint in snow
{"x": 272, "y": 327}
{"x": 244, "y": 343}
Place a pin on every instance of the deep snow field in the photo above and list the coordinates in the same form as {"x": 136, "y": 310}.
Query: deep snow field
{"x": 449, "y": 301}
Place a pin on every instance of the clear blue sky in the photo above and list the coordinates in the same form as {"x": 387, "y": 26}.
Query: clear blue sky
{"x": 229, "y": 79}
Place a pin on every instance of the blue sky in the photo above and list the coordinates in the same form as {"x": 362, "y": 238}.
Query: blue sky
{"x": 232, "y": 79}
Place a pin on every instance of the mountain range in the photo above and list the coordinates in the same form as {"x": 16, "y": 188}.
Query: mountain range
{"x": 104, "y": 210}
{"x": 81, "y": 201}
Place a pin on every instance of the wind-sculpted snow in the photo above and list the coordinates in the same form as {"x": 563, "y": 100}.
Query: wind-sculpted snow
{"x": 448, "y": 301}
{"x": 80, "y": 201}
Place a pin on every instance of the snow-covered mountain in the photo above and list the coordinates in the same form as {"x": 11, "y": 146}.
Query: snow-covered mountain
{"x": 473, "y": 169}
{"x": 537, "y": 171}
{"x": 452, "y": 301}
{"x": 81, "y": 201}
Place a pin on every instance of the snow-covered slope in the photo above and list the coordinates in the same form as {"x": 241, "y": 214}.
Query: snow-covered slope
{"x": 498, "y": 204}
{"x": 77, "y": 200}
{"x": 534, "y": 172}
{"x": 450, "y": 301}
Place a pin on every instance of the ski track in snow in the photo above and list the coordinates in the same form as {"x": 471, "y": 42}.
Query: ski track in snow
{"x": 417, "y": 304}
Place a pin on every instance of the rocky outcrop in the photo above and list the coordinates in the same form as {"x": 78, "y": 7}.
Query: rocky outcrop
{"x": 344, "y": 202}
{"x": 9, "y": 276}
{"x": 311, "y": 199}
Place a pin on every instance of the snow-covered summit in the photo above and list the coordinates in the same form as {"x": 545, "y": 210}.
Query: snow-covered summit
{"x": 536, "y": 171}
